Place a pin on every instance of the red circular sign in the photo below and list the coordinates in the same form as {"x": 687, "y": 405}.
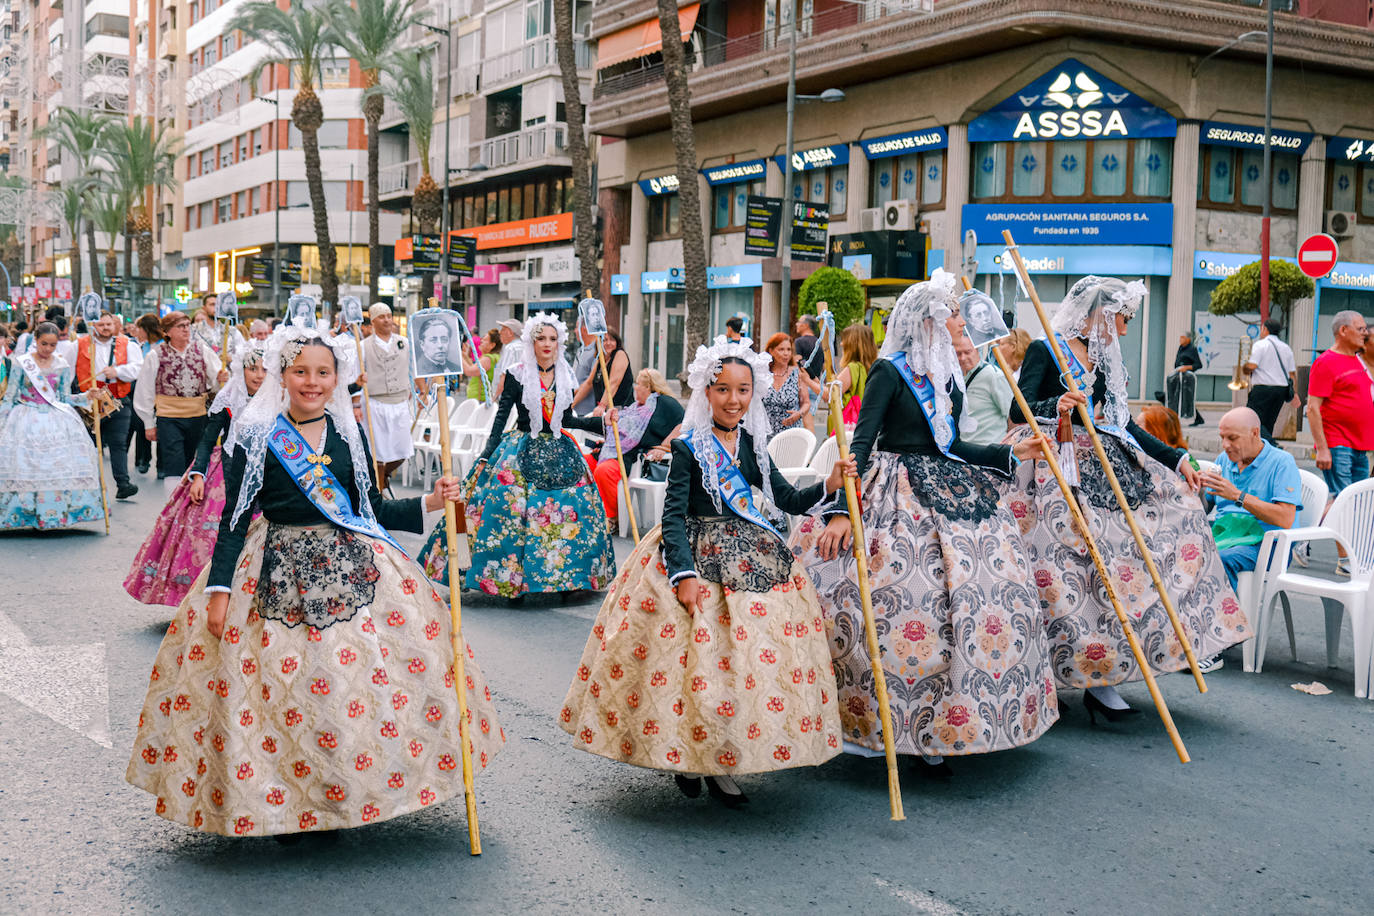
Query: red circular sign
{"x": 1317, "y": 255}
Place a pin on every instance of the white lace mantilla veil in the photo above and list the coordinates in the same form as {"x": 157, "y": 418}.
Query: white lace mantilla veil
{"x": 696, "y": 421}
{"x": 233, "y": 397}
{"x": 1086, "y": 313}
{"x": 917, "y": 328}
{"x": 528, "y": 373}
{"x": 254, "y": 425}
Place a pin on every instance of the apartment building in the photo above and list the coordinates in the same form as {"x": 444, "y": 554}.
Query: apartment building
{"x": 511, "y": 179}
{"x": 1101, "y": 133}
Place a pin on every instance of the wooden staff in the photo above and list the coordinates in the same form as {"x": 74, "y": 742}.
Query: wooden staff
{"x": 455, "y": 607}
{"x": 860, "y": 545}
{"x": 615, "y": 434}
{"x": 1086, "y": 416}
{"x": 99, "y": 447}
{"x": 367, "y": 405}
{"x": 1052, "y": 459}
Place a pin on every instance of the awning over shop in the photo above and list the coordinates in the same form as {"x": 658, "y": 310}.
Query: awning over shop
{"x": 642, "y": 38}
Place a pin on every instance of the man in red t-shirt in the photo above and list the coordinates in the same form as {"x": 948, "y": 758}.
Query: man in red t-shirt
{"x": 1340, "y": 406}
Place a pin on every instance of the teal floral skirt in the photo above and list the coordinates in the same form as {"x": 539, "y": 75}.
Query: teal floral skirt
{"x": 535, "y": 522}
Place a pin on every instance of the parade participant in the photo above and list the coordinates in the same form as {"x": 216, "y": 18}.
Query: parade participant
{"x": 647, "y": 428}
{"x": 177, "y": 377}
{"x": 335, "y": 705}
{"x": 148, "y": 333}
{"x": 785, "y": 400}
{"x": 259, "y": 330}
{"x": 534, "y": 518}
{"x": 210, "y": 333}
{"x": 962, "y": 642}
{"x": 386, "y": 357}
{"x": 183, "y": 537}
{"x": 708, "y": 656}
{"x": 987, "y": 396}
{"x": 1160, "y": 486}
{"x": 114, "y": 367}
{"x": 49, "y": 470}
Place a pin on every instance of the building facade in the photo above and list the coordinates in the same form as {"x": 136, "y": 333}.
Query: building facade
{"x": 1100, "y": 133}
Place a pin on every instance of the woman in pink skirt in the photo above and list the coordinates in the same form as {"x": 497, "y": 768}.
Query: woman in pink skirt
{"x": 180, "y": 544}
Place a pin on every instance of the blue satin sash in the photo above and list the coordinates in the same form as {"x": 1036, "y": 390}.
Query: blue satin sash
{"x": 733, "y": 489}
{"x": 925, "y": 396}
{"x": 1080, "y": 379}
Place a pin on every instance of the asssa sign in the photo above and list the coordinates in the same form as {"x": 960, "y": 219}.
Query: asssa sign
{"x": 1069, "y": 102}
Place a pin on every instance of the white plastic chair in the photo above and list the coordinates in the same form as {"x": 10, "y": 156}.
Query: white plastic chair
{"x": 1350, "y": 522}
{"x": 1250, "y": 586}
{"x": 824, "y": 460}
{"x": 791, "y": 448}
{"x": 648, "y": 496}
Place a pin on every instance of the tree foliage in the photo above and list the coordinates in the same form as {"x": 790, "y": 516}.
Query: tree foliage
{"x": 839, "y": 289}
{"x": 1240, "y": 292}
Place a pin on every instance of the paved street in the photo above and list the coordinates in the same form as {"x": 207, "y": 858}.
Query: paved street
{"x": 1272, "y": 816}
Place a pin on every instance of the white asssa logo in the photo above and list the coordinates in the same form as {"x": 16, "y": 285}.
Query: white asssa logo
{"x": 1071, "y": 123}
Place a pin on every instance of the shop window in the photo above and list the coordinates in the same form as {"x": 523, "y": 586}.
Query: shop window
{"x": 1077, "y": 170}
{"x": 917, "y": 176}
{"x": 664, "y": 217}
{"x": 1233, "y": 179}
{"x": 731, "y": 201}
{"x": 827, "y": 187}
{"x": 1350, "y": 187}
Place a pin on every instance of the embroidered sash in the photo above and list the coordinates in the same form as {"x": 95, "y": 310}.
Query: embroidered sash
{"x": 40, "y": 383}
{"x": 734, "y": 490}
{"x": 925, "y": 396}
{"x": 319, "y": 484}
{"x": 1080, "y": 378}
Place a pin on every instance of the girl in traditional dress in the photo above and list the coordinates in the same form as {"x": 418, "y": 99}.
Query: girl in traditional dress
{"x": 307, "y": 683}
{"x": 708, "y": 656}
{"x": 1089, "y": 649}
{"x": 182, "y": 539}
{"x": 534, "y": 518}
{"x": 963, "y": 646}
{"x": 49, "y": 470}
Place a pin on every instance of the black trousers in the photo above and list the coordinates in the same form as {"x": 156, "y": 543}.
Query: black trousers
{"x": 114, "y": 435}
{"x": 177, "y": 438}
{"x": 1267, "y": 401}
{"x": 1182, "y": 393}
{"x": 143, "y": 449}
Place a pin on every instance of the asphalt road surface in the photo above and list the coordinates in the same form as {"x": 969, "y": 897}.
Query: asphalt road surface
{"x": 1275, "y": 814}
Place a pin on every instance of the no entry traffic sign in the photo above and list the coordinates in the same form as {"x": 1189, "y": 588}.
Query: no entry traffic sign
{"x": 1317, "y": 255}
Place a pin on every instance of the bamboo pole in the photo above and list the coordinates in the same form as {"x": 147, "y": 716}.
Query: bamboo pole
{"x": 99, "y": 446}
{"x": 1081, "y": 523}
{"x": 860, "y": 548}
{"x": 455, "y": 606}
{"x": 1086, "y": 416}
{"x": 615, "y": 433}
{"x": 367, "y": 405}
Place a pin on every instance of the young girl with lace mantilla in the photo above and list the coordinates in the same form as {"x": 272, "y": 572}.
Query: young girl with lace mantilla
{"x": 307, "y": 682}
{"x": 708, "y": 656}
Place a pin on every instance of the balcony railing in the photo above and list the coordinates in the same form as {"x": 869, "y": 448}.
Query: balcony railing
{"x": 526, "y": 145}
{"x": 535, "y": 55}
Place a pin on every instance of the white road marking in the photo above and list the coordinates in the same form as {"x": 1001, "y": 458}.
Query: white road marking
{"x": 921, "y": 903}
{"x": 68, "y": 684}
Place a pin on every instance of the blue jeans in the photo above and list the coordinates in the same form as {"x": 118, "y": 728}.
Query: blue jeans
{"x": 1348, "y": 466}
{"x": 1239, "y": 559}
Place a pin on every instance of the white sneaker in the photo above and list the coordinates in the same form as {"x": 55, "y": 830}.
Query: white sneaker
{"x": 1301, "y": 555}
{"x": 1343, "y": 566}
{"x": 1211, "y": 663}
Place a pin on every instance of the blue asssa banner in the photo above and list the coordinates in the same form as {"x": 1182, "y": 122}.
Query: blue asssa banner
{"x": 1073, "y": 224}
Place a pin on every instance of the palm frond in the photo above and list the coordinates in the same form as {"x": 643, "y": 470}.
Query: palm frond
{"x": 409, "y": 83}
{"x": 371, "y": 31}
{"x": 296, "y": 37}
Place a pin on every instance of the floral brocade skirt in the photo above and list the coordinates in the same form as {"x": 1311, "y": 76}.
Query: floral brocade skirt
{"x": 49, "y": 471}
{"x": 535, "y": 522}
{"x": 964, "y": 651}
{"x": 181, "y": 542}
{"x": 312, "y": 712}
{"x": 745, "y": 686}
{"x": 1086, "y": 640}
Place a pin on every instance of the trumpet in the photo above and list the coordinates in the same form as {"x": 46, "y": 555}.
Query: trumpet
{"x": 1239, "y": 380}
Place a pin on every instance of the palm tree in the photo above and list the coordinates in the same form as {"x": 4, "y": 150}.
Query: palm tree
{"x": 689, "y": 194}
{"x": 584, "y": 240}
{"x": 108, "y": 214}
{"x": 371, "y": 33}
{"x": 143, "y": 158}
{"x": 74, "y": 203}
{"x": 410, "y": 85}
{"x": 80, "y": 135}
{"x": 298, "y": 38}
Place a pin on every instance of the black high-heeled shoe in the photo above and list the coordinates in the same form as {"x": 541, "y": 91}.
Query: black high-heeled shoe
{"x": 728, "y": 799}
{"x": 1094, "y": 706}
{"x": 689, "y": 786}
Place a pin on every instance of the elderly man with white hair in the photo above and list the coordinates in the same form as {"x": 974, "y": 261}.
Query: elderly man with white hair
{"x": 386, "y": 359}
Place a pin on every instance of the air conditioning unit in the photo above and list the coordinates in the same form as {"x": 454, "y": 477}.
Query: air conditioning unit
{"x": 900, "y": 215}
{"x": 871, "y": 220}
{"x": 1340, "y": 223}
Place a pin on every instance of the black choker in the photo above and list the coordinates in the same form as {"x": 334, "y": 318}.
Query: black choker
{"x": 303, "y": 422}
{"x": 725, "y": 429}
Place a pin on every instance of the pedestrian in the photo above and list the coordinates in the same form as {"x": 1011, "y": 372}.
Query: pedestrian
{"x": 183, "y": 537}
{"x": 177, "y": 377}
{"x": 1182, "y": 382}
{"x": 332, "y": 698}
{"x": 49, "y": 470}
{"x": 1273, "y": 376}
{"x": 647, "y": 428}
{"x": 534, "y": 519}
{"x": 708, "y": 656}
{"x": 858, "y": 353}
{"x": 962, "y": 643}
{"x": 148, "y": 332}
{"x": 259, "y": 330}
{"x": 386, "y": 364}
{"x": 1160, "y": 487}
{"x": 109, "y": 360}
{"x": 987, "y": 396}
{"x": 785, "y": 399}
{"x": 512, "y": 351}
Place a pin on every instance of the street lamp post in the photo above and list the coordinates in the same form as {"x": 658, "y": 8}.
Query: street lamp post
{"x": 448, "y": 139}
{"x": 276, "y": 209}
